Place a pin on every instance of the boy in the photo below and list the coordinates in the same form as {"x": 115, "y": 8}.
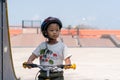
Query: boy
{"x": 51, "y": 52}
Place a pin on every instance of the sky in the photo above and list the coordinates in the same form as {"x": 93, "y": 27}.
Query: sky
{"x": 102, "y": 14}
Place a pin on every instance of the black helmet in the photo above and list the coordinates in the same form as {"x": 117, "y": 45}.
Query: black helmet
{"x": 48, "y": 21}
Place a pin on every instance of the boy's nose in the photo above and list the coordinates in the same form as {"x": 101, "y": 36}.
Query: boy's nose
{"x": 55, "y": 31}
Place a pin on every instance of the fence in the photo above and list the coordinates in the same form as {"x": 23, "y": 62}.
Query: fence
{"x": 31, "y": 24}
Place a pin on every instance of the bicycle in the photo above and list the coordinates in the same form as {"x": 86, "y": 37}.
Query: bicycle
{"x": 47, "y": 68}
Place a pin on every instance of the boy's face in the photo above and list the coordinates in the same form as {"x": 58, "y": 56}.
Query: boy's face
{"x": 53, "y": 31}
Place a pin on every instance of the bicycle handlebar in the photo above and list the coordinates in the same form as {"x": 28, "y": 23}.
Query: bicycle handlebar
{"x": 48, "y": 68}
{"x": 71, "y": 66}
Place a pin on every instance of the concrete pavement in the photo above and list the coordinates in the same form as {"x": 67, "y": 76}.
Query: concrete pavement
{"x": 92, "y": 64}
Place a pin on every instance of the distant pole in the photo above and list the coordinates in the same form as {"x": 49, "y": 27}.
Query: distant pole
{"x": 22, "y": 23}
{"x": 78, "y": 31}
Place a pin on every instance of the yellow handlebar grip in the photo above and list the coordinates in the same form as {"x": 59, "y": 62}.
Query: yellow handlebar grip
{"x": 72, "y": 66}
{"x": 24, "y": 65}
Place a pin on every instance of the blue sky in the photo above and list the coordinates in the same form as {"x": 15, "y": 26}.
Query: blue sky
{"x": 103, "y": 14}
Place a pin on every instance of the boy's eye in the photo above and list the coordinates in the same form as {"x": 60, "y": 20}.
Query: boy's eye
{"x": 54, "y": 30}
{"x": 51, "y": 30}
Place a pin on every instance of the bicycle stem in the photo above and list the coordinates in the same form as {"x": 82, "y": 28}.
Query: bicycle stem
{"x": 48, "y": 73}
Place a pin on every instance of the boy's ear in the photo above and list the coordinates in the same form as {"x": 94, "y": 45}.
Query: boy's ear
{"x": 45, "y": 34}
